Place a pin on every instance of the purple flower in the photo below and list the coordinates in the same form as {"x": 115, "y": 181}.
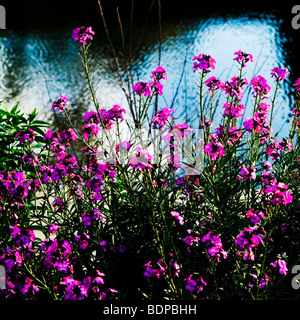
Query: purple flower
{"x": 233, "y": 110}
{"x": 214, "y": 246}
{"x": 215, "y": 150}
{"x": 242, "y": 57}
{"x": 177, "y": 215}
{"x": 279, "y": 74}
{"x": 192, "y": 284}
{"x": 260, "y": 86}
{"x": 213, "y": 84}
{"x": 281, "y": 264}
{"x": 53, "y": 228}
{"x": 248, "y": 239}
{"x": 235, "y": 87}
{"x": 157, "y": 88}
{"x": 279, "y": 194}
{"x": 91, "y": 117}
{"x": 141, "y": 160}
{"x": 61, "y": 266}
{"x": 204, "y": 62}
{"x": 189, "y": 240}
{"x": 60, "y": 103}
{"x": 29, "y": 285}
{"x": 255, "y": 215}
{"x": 89, "y": 129}
{"x": 123, "y": 146}
{"x": 161, "y": 118}
{"x": 26, "y": 135}
{"x": 82, "y": 34}
{"x": 115, "y": 113}
{"x": 247, "y": 173}
{"x": 142, "y": 88}
{"x": 297, "y": 85}
{"x": 159, "y": 73}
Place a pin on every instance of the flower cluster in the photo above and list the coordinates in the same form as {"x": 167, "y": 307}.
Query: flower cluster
{"x": 259, "y": 123}
{"x": 177, "y": 215}
{"x": 261, "y": 282}
{"x": 158, "y": 272}
{"x": 235, "y": 87}
{"x": 215, "y": 148}
{"x": 153, "y": 87}
{"x": 88, "y": 216}
{"x": 204, "y": 62}
{"x": 233, "y": 110}
{"x": 192, "y": 284}
{"x": 279, "y": 194}
{"x": 279, "y": 74}
{"x": 260, "y": 87}
{"x": 249, "y": 239}
{"x": 82, "y": 34}
{"x": 60, "y": 103}
{"x": 161, "y": 118}
{"x": 14, "y": 188}
{"x": 105, "y": 117}
{"x": 213, "y": 84}
{"x": 26, "y": 135}
{"x": 141, "y": 160}
{"x": 255, "y": 216}
{"x": 247, "y": 173}
{"x": 68, "y": 212}
{"x": 243, "y": 57}
{"x": 281, "y": 265}
{"x": 213, "y": 246}
{"x": 78, "y": 290}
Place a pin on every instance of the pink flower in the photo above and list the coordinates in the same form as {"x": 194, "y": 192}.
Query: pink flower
{"x": 159, "y": 73}
{"x": 115, "y": 113}
{"x": 214, "y": 246}
{"x": 297, "y": 84}
{"x": 247, "y": 173}
{"x": 157, "y": 87}
{"x": 192, "y": 285}
{"x": 142, "y": 88}
{"x": 213, "y": 84}
{"x": 82, "y": 34}
{"x": 279, "y": 194}
{"x": 177, "y": 215}
{"x": 189, "y": 240}
{"x": 260, "y": 86}
{"x": 281, "y": 264}
{"x": 235, "y": 87}
{"x": 89, "y": 129}
{"x": 26, "y": 135}
{"x": 242, "y": 58}
{"x": 255, "y": 215}
{"x": 204, "y": 62}
{"x": 60, "y": 103}
{"x": 215, "y": 150}
{"x": 233, "y": 110}
{"x": 161, "y": 118}
{"x": 141, "y": 160}
{"x": 279, "y": 74}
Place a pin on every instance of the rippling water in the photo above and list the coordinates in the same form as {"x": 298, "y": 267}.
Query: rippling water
{"x": 38, "y": 66}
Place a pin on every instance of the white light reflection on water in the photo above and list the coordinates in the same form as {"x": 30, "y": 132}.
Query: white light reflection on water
{"x": 40, "y": 65}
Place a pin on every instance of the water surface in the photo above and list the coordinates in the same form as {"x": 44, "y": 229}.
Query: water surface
{"x": 36, "y": 66}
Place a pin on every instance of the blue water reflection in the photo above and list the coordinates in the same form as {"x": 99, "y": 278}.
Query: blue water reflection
{"x": 37, "y": 66}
